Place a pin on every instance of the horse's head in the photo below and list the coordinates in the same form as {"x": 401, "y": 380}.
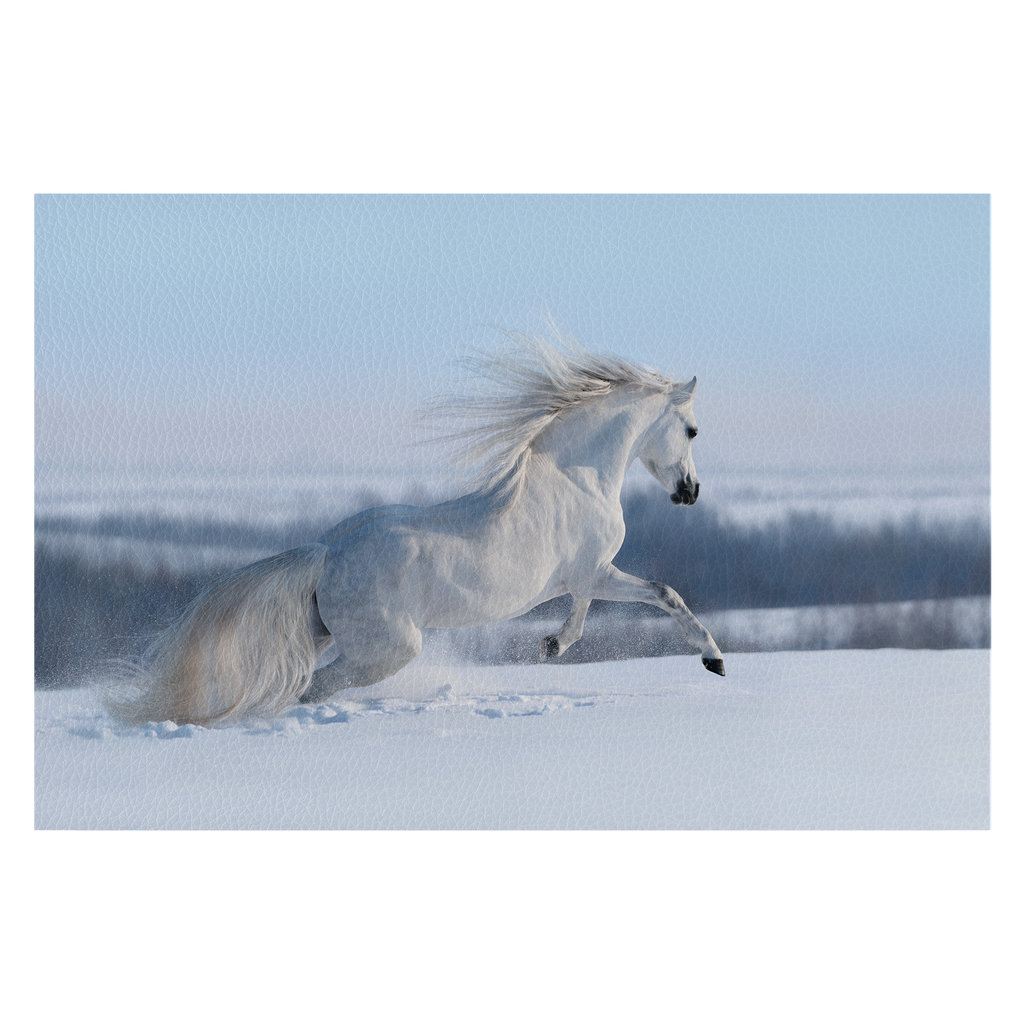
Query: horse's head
{"x": 665, "y": 446}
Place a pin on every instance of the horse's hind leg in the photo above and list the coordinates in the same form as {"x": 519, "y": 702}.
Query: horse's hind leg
{"x": 369, "y": 653}
{"x": 558, "y": 643}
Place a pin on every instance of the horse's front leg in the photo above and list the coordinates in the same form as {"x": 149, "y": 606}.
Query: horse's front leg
{"x": 558, "y": 643}
{"x": 616, "y": 585}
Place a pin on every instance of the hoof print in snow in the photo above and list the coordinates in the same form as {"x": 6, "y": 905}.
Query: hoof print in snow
{"x": 714, "y": 665}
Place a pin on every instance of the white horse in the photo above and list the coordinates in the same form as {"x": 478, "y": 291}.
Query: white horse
{"x": 546, "y": 520}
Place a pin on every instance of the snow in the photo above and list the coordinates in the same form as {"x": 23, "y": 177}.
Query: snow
{"x": 887, "y": 739}
{"x": 852, "y": 498}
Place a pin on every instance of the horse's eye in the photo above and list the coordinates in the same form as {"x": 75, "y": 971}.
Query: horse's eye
{"x": 691, "y": 432}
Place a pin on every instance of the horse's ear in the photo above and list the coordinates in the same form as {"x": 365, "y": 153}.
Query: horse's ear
{"x": 683, "y": 393}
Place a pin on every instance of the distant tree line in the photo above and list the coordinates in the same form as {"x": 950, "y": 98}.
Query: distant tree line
{"x": 88, "y": 613}
{"x": 91, "y": 611}
{"x": 804, "y": 559}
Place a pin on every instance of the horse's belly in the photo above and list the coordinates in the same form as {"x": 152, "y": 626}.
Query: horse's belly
{"x": 473, "y": 581}
{"x": 478, "y": 599}
{"x": 441, "y": 581}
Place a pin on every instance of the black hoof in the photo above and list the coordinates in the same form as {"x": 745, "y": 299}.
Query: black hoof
{"x": 714, "y": 665}
{"x": 549, "y": 647}
{"x": 315, "y": 695}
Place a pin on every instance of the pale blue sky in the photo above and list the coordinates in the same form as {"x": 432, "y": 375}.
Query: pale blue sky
{"x": 258, "y": 331}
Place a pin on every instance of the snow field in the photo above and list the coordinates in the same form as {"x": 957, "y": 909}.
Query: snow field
{"x": 810, "y": 740}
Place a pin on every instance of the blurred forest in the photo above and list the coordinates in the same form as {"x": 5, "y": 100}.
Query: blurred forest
{"x": 91, "y": 609}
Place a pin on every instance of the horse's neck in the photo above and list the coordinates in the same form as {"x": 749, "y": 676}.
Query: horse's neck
{"x": 599, "y": 440}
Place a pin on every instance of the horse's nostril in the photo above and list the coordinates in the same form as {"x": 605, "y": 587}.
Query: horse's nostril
{"x": 696, "y": 491}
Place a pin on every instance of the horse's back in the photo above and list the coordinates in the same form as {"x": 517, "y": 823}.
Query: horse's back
{"x": 370, "y": 515}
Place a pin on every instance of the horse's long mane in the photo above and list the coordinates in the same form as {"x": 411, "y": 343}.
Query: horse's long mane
{"x": 518, "y": 392}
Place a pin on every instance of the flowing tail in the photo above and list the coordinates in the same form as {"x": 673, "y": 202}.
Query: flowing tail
{"x": 243, "y": 648}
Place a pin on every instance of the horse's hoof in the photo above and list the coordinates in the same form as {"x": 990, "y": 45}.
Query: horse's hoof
{"x": 714, "y": 665}
{"x": 315, "y": 696}
{"x": 549, "y": 647}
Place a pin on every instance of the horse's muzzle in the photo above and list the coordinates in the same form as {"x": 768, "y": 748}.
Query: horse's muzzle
{"x": 686, "y": 494}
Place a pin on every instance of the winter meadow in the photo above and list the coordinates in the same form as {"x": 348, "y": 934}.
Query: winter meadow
{"x": 241, "y": 397}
